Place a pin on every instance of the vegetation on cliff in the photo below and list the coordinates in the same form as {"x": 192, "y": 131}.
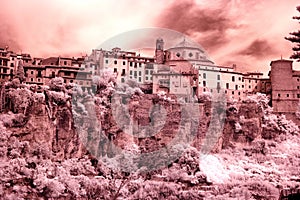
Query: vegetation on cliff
{"x": 43, "y": 151}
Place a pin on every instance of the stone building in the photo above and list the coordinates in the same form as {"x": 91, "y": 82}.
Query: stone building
{"x": 285, "y": 83}
{"x": 191, "y": 61}
{"x": 183, "y": 69}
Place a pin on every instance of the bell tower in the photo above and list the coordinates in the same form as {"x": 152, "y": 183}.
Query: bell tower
{"x": 159, "y": 51}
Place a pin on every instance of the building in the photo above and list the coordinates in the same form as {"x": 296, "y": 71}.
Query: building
{"x": 285, "y": 83}
{"x": 183, "y": 69}
{"x": 189, "y": 60}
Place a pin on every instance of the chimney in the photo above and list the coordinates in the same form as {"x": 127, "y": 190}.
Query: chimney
{"x": 234, "y": 66}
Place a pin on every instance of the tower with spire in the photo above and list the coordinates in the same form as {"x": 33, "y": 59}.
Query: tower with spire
{"x": 159, "y": 51}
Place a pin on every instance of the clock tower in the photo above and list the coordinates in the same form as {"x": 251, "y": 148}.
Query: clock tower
{"x": 159, "y": 51}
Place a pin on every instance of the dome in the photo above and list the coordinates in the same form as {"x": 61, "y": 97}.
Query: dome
{"x": 188, "y": 44}
{"x": 189, "y": 50}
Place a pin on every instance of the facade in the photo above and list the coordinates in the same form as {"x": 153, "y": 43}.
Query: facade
{"x": 183, "y": 69}
{"x": 190, "y": 61}
{"x": 285, "y": 83}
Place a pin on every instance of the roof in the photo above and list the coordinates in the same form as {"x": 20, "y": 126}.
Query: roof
{"x": 188, "y": 44}
{"x": 281, "y": 60}
{"x": 50, "y": 61}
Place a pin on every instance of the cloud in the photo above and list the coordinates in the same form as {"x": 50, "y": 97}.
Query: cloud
{"x": 259, "y": 48}
{"x": 67, "y": 27}
{"x": 250, "y": 33}
{"x": 8, "y": 35}
{"x": 208, "y": 26}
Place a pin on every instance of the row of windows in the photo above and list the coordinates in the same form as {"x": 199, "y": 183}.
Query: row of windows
{"x": 219, "y": 78}
{"x": 139, "y": 78}
{"x": 131, "y": 64}
{"x": 288, "y": 95}
{"x": 135, "y": 73}
{"x": 227, "y": 85}
{"x": 232, "y": 92}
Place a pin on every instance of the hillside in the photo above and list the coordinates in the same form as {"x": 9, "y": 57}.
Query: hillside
{"x": 64, "y": 143}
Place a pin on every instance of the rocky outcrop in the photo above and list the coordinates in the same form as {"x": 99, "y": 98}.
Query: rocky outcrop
{"x": 107, "y": 123}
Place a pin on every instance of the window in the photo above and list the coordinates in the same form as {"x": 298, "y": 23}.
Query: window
{"x": 287, "y": 95}
{"x": 31, "y": 79}
{"x": 256, "y": 87}
{"x": 140, "y": 79}
{"x": 227, "y": 85}
{"x": 71, "y": 81}
{"x": 130, "y": 72}
{"x": 225, "y": 91}
{"x": 39, "y": 74}
{"x": 298, "y": 95}
{"x": 298, "y": 87}
{"x": 53, "y": 74}
{"x": 124, "y": 63}
{"x": 239, "y": 93}
{"x": 242, "y": 79}
{"x": 236, "y": 87}
{"x": 140, "y": 73}
{"x": 5, "y": 70}
{"x": 278, "y": 95}
{"x": 204, "y": 75}
{"x": 298, "y": 79}
{"x": 106, "y": 61}
{"x": 11, "y": 64}
{"x": 122, "y": 80}
{"x": 218, "y": 77}
{"x": 146, "y": 77}
{"x": 135, "y": 73}
{"x": 255, "y": 81}
{"x": 233, "y": 92}
{"x": 249, "y": 81}
{"x": 204, "y": 83}
{"x": 140, "y": 64}
{"x": 243, "y": 86}
{"x": 123, "y": 73}
{"x": 178, "y": 54}
{"x": 239, "y": 78}
{"x": 130, "y": 64}
{"x": 65, "y": 62}
{"x": 233, "y": 78}
{"x": 39, "y": 80}
{"x": 67, "y": 73}
{"x": 115, "y": 62}
{"x": 249, "y": 86}
{"x": 147, "y": 71}
{"x": 31, "y": 72}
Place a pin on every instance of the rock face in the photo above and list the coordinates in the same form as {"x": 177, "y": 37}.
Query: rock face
{"x": 106, "y": 124}
{"x": 51, "y": 142}
{"x": 43, "y": 119}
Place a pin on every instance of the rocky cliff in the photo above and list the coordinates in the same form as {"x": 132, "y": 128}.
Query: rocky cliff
{"x": 61, "y": 126}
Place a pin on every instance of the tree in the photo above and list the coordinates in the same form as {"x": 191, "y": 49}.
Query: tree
{"x": 20, "y": 72}
{"x": 295, "y": 38}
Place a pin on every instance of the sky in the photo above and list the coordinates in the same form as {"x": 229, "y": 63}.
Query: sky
{"x": 247, "y": 33}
